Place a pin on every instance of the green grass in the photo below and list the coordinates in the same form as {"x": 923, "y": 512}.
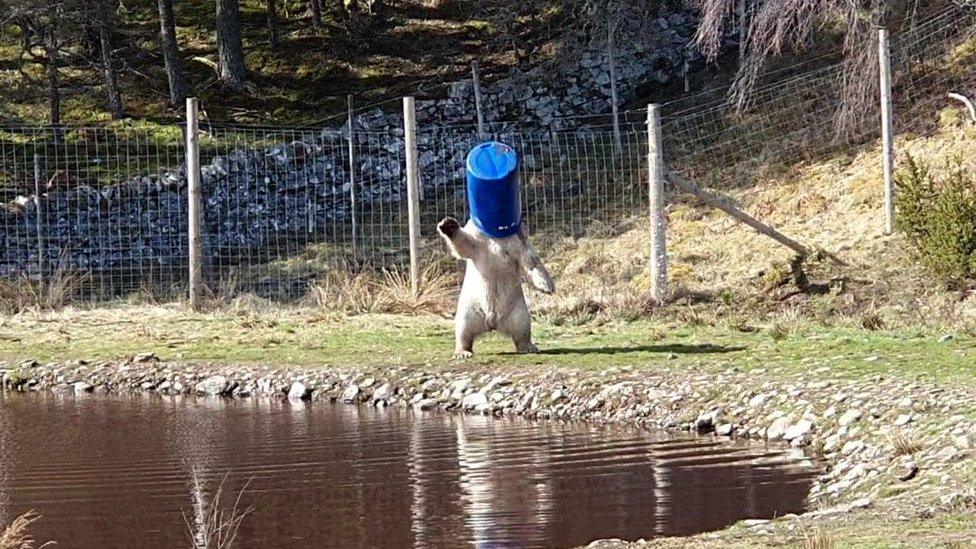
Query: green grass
{"x": 305, "y": 337}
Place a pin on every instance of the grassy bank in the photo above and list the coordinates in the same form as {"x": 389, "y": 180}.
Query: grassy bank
{"x": 951, "y": 530}
{"x": 294, "y": 337}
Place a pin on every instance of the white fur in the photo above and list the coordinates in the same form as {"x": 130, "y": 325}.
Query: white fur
{"x": 491, "y": 295}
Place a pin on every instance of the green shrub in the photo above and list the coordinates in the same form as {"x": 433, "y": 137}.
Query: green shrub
{"x": 938, "y": 215}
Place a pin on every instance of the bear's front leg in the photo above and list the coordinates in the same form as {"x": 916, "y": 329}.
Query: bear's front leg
{"x": 461, "y": 244}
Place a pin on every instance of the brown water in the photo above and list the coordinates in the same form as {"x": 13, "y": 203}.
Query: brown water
{"x": 116, "y": 472}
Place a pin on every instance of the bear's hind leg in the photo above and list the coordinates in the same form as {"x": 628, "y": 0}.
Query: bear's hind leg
{"x": 468, "y": 325}
{"x": 518, "y": 325}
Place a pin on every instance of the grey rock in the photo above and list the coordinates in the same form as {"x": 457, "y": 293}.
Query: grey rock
{"x": 798, "y": 429}
{"x": 850, "y": 417}
{"x": 902, "y": 420}
{"x": 705, "y": 422}
{"x": 473, "y": 401}
{"x": 758, "y": 400}
{"x": 384, "y": 392}
{"x": 298, "y": 391}
{"x": 213, "y": 385}
{"x": 908, "y": 471}
{"x": 860, "y": 503}
{"x": 852, "y": 447}
{"x": 965, "y": 442}
{"x": 778, "y": 428}
{"x": 350, "y": 393}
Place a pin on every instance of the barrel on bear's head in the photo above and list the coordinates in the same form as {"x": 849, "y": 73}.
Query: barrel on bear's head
{"x": 493, "y": 189}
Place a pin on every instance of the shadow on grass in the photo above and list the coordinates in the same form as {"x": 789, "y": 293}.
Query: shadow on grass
{"x": 679, "y": 349}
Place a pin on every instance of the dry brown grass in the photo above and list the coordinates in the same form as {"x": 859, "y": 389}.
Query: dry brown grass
{"x": 17, "y": 534}
{"x": 366, "y": 290}
{"x": 53, "y": 293}
{"x": 818, "y": 539}
{"x": 214, "y": 525}
{"x": 905, "y": 444}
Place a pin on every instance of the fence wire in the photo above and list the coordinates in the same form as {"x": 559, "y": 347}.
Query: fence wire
{"x": 102, "y": 211}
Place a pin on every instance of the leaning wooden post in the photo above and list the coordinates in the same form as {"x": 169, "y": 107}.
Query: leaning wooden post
{"x": 655, "y": 173}
{"x": 413, "y": 191}
{"x": 352, "y": 176}
{"x": 477, "y": 100}
{"x": 38, "y": 222}
{"x": 887, "y": 138}
{"x": 740, "y": 10}
{"x": 195, "y": 197}
{"x": 613, "y": 89}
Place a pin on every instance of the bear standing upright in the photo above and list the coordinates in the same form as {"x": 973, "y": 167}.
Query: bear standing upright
{"x": 498, "y": 254}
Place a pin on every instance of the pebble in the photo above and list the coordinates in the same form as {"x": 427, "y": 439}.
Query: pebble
{"x": 473, "y": 401}
{"x": 213, "y": 385}
{"x": 861, "y": 503}
{"x": 350, "y": 393}
{"x": 798, "y": 429}
{"x": 705, "y": 422}
{"x": 908, "y": 471}
{"x": 849, "y": 417}
{"x": 852, "y": 447}
{"x": 758, "y": 400}
{"x": 964, "y": 442}
{"x": 384, "y": 393}
{"x": 902, "y": 420}
{"x": 426, "y": 404}
{"x": 145, "y": 357}
{"x": 298, "y": 391}
{"x": 778, "y": 428}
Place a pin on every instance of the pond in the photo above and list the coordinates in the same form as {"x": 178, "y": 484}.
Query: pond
{"x": 136, "y": 471}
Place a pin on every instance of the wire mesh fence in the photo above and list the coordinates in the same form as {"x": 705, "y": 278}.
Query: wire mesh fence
{"x": 101, "y": 212}
{"x": 93, "y": 212}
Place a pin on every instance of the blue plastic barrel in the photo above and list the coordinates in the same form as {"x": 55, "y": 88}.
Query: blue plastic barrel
{"x": 493, "y": 189}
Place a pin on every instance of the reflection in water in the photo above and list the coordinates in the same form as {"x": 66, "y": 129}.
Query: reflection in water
{"x": 117, "y": 472}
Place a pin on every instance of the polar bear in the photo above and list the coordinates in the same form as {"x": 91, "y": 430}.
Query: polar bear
{"x": 491, "y": 295}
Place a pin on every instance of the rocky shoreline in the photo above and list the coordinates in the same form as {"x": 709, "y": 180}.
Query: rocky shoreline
{"x": 880, "y": 440}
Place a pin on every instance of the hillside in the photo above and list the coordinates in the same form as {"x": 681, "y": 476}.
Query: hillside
{"x": 407, "y": 47}
{"x": 721, "y": 269}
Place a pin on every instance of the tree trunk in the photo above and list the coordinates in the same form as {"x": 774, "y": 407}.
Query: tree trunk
{"x": 230, "y": 49}
{"x": 54, "y": 83}
{"x": 316, "y": 14}
{"x": 178, "y": 89}
{"x": 272, "y": 24}
{"x": 108, "y": 63}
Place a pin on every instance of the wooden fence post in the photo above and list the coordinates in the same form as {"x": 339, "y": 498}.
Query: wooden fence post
{"x": 195, "y": 198}
{"x": 38, "y": 185}
{"x": 413, "y": 191}
{"x": 887, "y": 135}
{"x": 613, "y": 89}
{"x": 477, "y": 100}
{"x": 352, "y": 177}
{"x": 655, "y": 173}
